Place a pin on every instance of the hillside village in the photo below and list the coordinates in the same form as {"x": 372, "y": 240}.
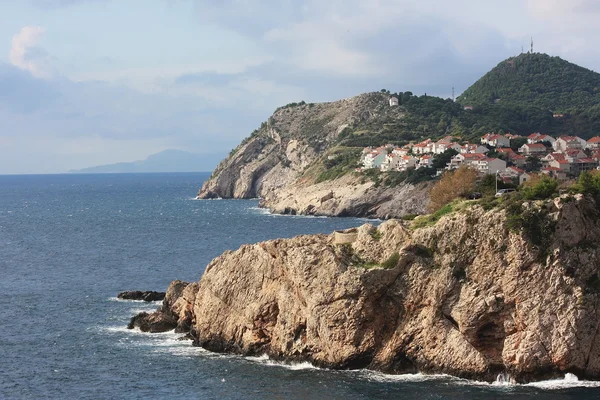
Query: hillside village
{"x": 563, "y": 158}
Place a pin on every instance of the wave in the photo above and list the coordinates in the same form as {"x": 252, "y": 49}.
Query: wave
{"x": 174, "y": 344}
{"x": 157, "y": 302}
{"x": 294, "y": 366}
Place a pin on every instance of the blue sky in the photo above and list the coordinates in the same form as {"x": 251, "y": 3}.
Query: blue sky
{"x": 89, "y": 82}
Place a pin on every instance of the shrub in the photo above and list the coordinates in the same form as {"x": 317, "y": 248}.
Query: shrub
{"x": 375, "y": 234}
{"x": 392, "y": 261}
{"x": 539, "y": 188}
{"x": 428, "y": 220}
{"x": 453, "y": 184}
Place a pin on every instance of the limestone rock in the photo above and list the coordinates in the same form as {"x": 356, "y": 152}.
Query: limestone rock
{"x": 147, "y": 295}
{"x": 270, "y": 164}
{"x": 466, "y": 296}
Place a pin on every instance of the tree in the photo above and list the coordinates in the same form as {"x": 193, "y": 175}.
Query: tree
{"x": 532, "y": 164}
{"x": 457, "y": 183}
{"x": 516, "y": 144}
{"x": 441, "y": 161}
{"x": 539, "y": 187}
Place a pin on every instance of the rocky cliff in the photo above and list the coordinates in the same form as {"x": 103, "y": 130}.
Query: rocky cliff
{"x": 272, "y": 163}
{"x": 471, "y": 296}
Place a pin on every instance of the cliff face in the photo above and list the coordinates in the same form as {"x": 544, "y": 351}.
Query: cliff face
{"x": 348, "y": 196}
{"x": 466, "y": 296}
{"x": 271, "y": 162}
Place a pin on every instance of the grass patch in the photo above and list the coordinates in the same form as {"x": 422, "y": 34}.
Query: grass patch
{"x": 431, "y": 219}
{"x": 392, "y": 261}
{"x": 375, "y": 234}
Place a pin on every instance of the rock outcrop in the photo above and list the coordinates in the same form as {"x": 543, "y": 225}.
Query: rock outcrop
{"x": 147, "y": 295}
{"x": 174, "y": 313}
{"x": 348, "y": 197}
{"x": 467, "y": 296}
{"x": 271, "y": 163}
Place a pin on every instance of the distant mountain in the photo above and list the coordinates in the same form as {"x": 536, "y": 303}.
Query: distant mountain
{"x": 536, "y": 80}
{"x": 165, "y": 161}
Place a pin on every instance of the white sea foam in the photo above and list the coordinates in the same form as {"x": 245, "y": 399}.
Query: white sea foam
{"x": 381, "y": 377}
{"x": 157, "y": 302}
{"x": 294, "y": 366}
{"x": 569, "y": 381}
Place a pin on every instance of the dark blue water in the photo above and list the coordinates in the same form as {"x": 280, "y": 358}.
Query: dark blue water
{"x": 70, "y": 243}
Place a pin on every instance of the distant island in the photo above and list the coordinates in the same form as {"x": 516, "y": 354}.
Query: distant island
{"x": 165, "y": 161}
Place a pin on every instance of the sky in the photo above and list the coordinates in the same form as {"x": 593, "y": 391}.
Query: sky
{"x": 91, "y": 82}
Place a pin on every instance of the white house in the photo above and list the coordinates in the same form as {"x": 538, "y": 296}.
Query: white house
{"x": 533, "y": 149}
{"x": 515, "y": 173}
{"x": 474, "y": 148}
{"x": 593, "y": 143}
{"x": 374, "y": 159}
{"x": 424, "y": 147}
{"x": 465, "y": 158}
{"x": 395, "y": 162}
{"x": 495, "y": 140}
{"x": 490, "y": 165}
{"x": 569, "y": 142}
{"x": 393, "y": 101}
{"x": 539, "y": 138}
{"x": 425, "y": 161}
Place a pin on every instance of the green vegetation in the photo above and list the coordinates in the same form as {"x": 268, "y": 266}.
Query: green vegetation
{"x": 537, "y": 80}
{"x": 337, "y": 163}
{"x": 375, "y": 234}
{"x": 543, "y": 188}
{"x": 431, "y": 219}
{"x": 525, "y": 91}
{"x": 391, "y": 262}
{"x": 589, "y": 184}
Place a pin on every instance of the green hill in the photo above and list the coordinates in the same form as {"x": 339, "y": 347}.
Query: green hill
{"x": 537, "y": 80}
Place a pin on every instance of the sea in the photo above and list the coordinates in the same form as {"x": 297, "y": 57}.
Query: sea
{"x": 70, "y": 243}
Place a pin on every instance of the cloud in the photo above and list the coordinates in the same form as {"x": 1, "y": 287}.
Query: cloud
{"x": 27, "y": 55}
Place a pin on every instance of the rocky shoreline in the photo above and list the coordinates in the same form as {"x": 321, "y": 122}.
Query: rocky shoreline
{"x": 467, "y": 296}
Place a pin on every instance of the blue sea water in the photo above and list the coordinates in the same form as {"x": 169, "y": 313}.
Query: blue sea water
{"x": 70, "y": 243}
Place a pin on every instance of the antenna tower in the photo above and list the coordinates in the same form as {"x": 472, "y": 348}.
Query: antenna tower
{"x": 532, "y": 45}
{"x": 453, "y": 93}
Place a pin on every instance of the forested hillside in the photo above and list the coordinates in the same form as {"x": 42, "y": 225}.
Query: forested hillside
{"x": 537, "y": 80}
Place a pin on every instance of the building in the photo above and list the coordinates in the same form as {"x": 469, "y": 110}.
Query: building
{"x": 583, "y": 164}
{"x": 424, "y": 147}
{"x": 569, "y": 142}
{"x": 425, "y": 162}
{"x": 533, "y": 149}
{"x": 495, "y": 140}
{"x": 393, "y": 101}
{"x": 515, "y": 174}
{"x": 593, "y": 143}
{"x": 540, "y": 138}
{"x": 474, "y": 148}
{"x": 374, "y": 159}
{"x": 554, "y": 173}
{"x": 490, "y": 165}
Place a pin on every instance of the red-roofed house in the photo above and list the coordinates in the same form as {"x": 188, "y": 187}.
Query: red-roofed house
{"x": 474, "y": 148}
{"x": 539, "y": 138}
{"x": 495, "y": 140}
{"x": 533, "y": 149}
{"x": 593, "y": 143}
{"x": 425, "y": 162}
{"x": 583, "y": 164}
{"x": 563, "y": 165}
{"x": 517, "y": 159}
{"x": 555, "y": 173}
{"x": 569, "y": 142}
{"x": 515, "y": 174}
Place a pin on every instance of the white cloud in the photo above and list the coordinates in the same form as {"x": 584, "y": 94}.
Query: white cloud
{"x": 27, "y": 55}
